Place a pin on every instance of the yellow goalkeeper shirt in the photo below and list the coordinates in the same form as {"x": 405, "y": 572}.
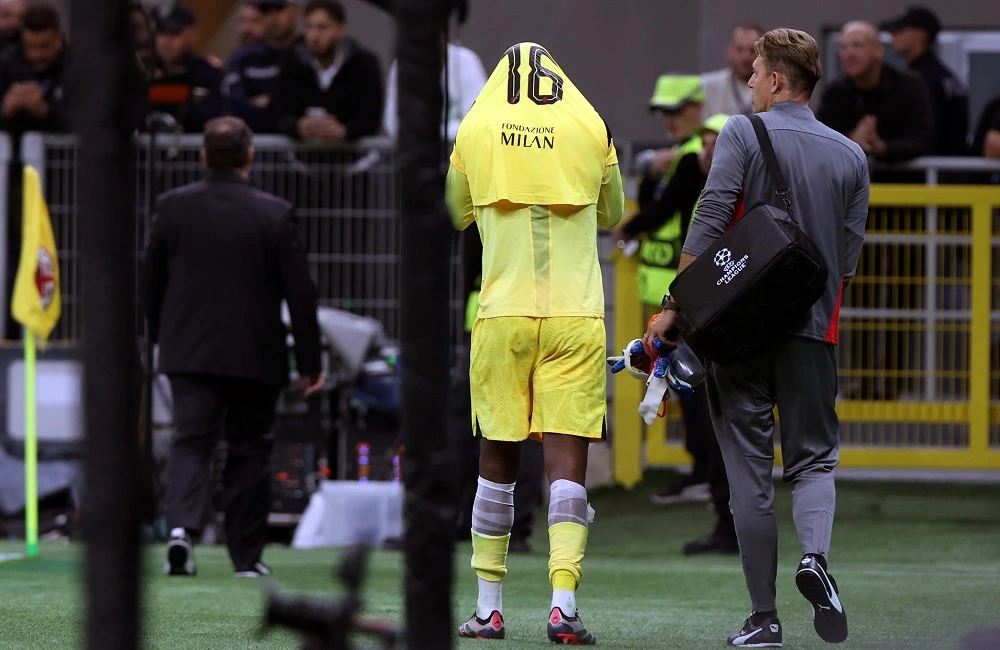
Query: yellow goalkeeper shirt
{"x": 535, "y": 167}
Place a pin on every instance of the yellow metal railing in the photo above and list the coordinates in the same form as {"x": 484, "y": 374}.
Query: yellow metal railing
{"x": 920, "y": 342}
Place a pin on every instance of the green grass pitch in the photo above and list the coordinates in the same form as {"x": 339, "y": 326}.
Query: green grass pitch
{"x": 918, "y": 566}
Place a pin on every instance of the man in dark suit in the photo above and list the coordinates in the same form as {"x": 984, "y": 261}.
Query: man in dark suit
{"x": 221, "y": 258}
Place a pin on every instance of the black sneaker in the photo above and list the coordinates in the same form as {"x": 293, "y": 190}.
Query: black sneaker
{"x": 258, "y": 570}
{"x": 761, "y": 634}
{"x": 180, "y": 554}
{"x": 712, "y": 545}
{"x": 820, "y": 589}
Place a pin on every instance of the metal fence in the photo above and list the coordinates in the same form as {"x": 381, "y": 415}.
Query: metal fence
{"x": 346, "y": 199}
{"x": 920, "y": 331}
{"x": 919, "y": 353}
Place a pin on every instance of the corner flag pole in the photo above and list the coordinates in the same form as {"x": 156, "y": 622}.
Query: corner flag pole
{"x": 30, "y": 447}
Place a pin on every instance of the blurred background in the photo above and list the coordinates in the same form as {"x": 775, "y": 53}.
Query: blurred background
{"x": 920, "y": 325}
{"x": 614, "y": 52}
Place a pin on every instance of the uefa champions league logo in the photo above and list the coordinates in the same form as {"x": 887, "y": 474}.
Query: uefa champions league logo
{"x": 730, "y": 267}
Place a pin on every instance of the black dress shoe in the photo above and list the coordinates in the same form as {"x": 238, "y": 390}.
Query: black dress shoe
{"x": 712, "y": 545}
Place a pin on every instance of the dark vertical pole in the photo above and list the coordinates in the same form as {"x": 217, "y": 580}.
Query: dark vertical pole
{"x": 149, "y": 380}
{"x": 15, "y": 218}
{"x": 424, "y": 267}
{"x": 100, "y": 92}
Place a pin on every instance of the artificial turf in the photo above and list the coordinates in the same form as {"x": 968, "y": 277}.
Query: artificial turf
{"x": 918, "y": 566}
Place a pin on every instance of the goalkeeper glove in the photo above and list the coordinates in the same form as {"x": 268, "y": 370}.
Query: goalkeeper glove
{"x": 658, "y": 372}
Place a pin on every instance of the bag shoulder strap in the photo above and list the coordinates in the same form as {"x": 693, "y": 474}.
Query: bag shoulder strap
{"x": 771, "y": 160}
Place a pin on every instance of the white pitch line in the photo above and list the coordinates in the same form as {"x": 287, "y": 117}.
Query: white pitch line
{"x": 9, "y": 557}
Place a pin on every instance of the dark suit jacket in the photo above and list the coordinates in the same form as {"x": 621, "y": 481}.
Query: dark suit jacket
{"x": 222, "y": 255}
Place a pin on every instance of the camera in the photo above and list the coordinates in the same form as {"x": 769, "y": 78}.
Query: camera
{"x": 332, "y": 625}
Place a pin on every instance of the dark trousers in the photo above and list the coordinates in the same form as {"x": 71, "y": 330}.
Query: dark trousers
{"x": 701, "y": 434}
{"x": 800, "y": 377}
{"x": 698, "y": 437}
{"x": 528, "y": 488}
{"x": 205, "y": 407}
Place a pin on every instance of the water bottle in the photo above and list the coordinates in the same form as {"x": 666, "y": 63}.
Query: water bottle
{"x": 397, "y": 466}
{"x": 363, "y": 450}
{"x": 686, "y": 365}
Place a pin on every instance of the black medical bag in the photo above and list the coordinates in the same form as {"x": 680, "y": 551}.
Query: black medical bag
{"x": 755, "y": 284}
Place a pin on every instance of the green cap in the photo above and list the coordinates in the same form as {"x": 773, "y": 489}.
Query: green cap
{"x": 713, "y": 124}
{"x": 672, "y": 91}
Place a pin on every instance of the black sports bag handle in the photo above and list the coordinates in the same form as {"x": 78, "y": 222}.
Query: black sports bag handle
{"x": 771, "y": 161}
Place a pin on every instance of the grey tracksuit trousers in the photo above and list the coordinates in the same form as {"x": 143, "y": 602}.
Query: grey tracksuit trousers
{"x": 800, "y": 378}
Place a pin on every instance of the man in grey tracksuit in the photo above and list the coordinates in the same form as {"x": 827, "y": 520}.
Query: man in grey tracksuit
{"x": 828, "y": 177}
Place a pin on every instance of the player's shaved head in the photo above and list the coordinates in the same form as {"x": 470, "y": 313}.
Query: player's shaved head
{"x": 862, "y": 29}
{"x": 860, "y": 51}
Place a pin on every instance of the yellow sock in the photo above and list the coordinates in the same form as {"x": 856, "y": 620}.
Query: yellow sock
{"x": 563, "y": 580}
{"x": 567, "y": 542}
{"x": 489, "y": 556}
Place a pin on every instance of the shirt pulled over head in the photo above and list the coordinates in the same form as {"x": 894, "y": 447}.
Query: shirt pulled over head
{"x": 531, "y": 137}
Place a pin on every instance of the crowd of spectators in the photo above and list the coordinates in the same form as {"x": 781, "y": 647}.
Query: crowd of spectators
{"x": 894, "y": 113}
{"x": 298, "y": 72}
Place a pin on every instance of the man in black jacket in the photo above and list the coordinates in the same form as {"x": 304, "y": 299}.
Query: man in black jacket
{"x": 221, "y": 258}
{"x": 32, "y": 74}
{"x": 913, "y": 36}
{"x": 885, "y": 110}
{"x": 677, "y": 200}
{"x": 330, "y": 86}
{"x": 250, "y": 85}
{"x": 178, "y": 65}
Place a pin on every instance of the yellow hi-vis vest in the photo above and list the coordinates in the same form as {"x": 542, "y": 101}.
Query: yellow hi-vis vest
{"x": 660, "y": 252}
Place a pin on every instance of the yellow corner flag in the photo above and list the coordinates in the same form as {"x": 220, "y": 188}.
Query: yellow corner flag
{"x": 36, "y": 304}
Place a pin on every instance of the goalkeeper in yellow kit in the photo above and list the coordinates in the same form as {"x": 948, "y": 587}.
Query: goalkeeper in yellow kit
{"x": 535, "y": 167}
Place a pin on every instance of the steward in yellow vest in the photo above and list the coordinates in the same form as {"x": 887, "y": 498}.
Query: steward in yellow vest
{"x": 678, "y": 98}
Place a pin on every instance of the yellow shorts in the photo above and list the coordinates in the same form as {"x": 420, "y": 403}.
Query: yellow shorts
{"x": 531, "y": 376}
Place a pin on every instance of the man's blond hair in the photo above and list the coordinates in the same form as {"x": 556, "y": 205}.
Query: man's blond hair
{"x": 794, "y": 54}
